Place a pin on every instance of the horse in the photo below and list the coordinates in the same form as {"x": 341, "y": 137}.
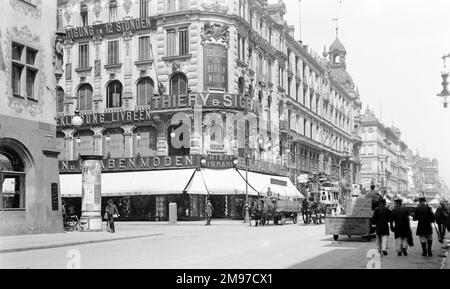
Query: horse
{"x": 268, "y": 211}
{"x": 255, "y": 212}
{"x": 306, "y": 211}
{"x": 319, "y": 209}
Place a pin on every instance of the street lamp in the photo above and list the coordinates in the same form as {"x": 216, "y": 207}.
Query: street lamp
{"x": 77, "y": 120}
{"x": 444, "y": 93}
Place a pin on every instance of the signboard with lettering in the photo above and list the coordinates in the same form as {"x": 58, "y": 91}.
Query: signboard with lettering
{"x": 136, "y": 164}
{"x": 104, "y": 29}
{"x": 303, "y": 178}
{"x": 215, "y": 67}
{"x": 206, "y": 100}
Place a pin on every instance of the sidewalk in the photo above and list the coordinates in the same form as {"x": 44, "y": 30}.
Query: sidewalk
{"x": 124, "y": 231}
{"x": 415, "y": 260}
{"x": 44, "y": 241}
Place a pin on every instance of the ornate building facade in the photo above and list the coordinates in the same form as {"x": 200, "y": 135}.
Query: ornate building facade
{"x": 29, "y": 187}
{"x": 383, "y": 156}
{"x": 174, "y": 86}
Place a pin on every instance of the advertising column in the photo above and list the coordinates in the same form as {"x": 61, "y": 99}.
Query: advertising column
{"x": 91, "y": 169}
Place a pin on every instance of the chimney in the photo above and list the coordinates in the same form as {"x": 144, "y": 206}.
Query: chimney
{"x": 291, "y": 30}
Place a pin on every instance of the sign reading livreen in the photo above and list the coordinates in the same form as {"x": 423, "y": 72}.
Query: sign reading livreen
{"x": 108, "y": 28}
{"x": 215, "y": 67}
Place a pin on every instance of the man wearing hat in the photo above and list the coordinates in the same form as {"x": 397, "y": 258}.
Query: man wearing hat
{"x": 381, "y": 218}
{"x": 111, "y": 212}
{"x": 425, "y": 216}
{"x": 441, "y": 218}
{"x": 401, "y": 228}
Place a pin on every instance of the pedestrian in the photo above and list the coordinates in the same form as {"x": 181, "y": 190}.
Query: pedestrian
{"x": 209, "y": 212}
{"x": 447, "y": 236}
{"x": 375, "y": 196}
{"x": 441, "y": 219}
{"x": 401, "y": 228}
{"x": 381, "y": 219}
{"x": 111, "y": 212}
{"x": 425, "y": 216}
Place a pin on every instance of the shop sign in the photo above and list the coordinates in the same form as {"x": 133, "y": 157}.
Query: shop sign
{"x": 205, "y": 100}
{"x": 215, "y": 67}
{"x": 130, "y": 25}
{"x": 303, "y": 178}
{"x": 219, "y": 161}
{"x": 136, "y": 164}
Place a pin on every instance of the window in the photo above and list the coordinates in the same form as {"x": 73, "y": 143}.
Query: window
{"x": 59, "y": 99}
{"x": 241, "y": 48}
{"x": 113, "y": 52}
{"x": 145, "y": 90}
{"x": 23, "y": 71}
{"x": 144, "y": 48}
{"x": 12, "y": 181}
{"x": 84, "y": 16}
{"x": 269, "y": 70}
{"x": 114, "y": 94}
{"x": 178, "y": 41}
{"x": 83, "y": 60}
{"x": 242, "y": 8}
{"x": 241, "y": 85}
{"x": 84, "y": 97}
{"x": 113, "y": 11}
{"x": 144, "y": 141}
{"x": 143, "y": 8}
{"x": 177, "y": 5}
{"x": 178, "y": 84}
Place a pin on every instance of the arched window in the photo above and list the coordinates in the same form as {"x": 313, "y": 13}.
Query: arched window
{"x": 145, "y": 90}
{"x": 178, "y": 84}
{"x": 114, "y": 94}
{"x": 84, "y": 95}
{"x": 12, "y": 180}
{"x": 59, "y": 99}
{"x": 241, "y": 85}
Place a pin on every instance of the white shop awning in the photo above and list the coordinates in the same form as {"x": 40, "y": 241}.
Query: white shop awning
{"x": 277, "y": 184}
{"x": 158, "y": 182}
{"x": 218, "y": 182}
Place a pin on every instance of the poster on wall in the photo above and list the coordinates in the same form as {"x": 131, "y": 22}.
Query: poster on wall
{"x": 215, "y": 67}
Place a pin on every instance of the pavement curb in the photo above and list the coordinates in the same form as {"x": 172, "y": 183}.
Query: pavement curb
{"x": 77, "y": 243}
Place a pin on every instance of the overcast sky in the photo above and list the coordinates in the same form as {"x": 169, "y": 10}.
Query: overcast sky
{"x": 394, "y": 50}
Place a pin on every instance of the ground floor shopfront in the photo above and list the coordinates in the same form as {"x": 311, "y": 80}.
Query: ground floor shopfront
{"x": 146, "y": 195}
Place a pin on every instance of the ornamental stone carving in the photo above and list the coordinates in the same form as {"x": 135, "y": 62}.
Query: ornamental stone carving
{"x": 215, "y": 33}
{"x": 215, "y": 7}
{"x": 97, "y": 9}
{"x": 127, "y": 6}
{"x": 25, "y": 8}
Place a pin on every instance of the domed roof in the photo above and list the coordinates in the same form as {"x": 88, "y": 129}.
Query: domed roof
{"x": 342, "y": 77}
{"x": 337, "y": 46}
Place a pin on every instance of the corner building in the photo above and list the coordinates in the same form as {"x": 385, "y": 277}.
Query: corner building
{"x": 139, "y": 71}
{"x": 30, "y": 201}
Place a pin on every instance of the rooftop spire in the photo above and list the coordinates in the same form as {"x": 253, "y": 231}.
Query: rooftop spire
{"x": 337, "y": 26}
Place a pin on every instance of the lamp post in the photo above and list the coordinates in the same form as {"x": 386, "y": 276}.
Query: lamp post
{"x": 444, "y": 74}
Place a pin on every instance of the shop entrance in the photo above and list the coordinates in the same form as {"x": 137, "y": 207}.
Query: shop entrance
{"x": 218, "y": 203}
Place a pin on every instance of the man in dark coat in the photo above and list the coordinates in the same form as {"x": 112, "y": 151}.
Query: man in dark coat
{"x": 111, "y": 212}
{"x": 401, "y": 228}
{"x": 209, "y": 212}
{"x": 381, "y": 219}
{"x": 441, "y": 219}
{"x": 375, "y": 196}
{"x": 425, "y": 216}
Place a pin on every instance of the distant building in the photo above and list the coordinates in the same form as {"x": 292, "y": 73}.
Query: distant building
{"x": 383, "y": 156}
{"x": 30, "y": 201}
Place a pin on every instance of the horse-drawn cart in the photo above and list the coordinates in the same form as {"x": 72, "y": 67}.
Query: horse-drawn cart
{"x": 357, "y": 220}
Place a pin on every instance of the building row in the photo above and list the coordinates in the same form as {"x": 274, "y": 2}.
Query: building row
{"x": 168, "y": 85}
